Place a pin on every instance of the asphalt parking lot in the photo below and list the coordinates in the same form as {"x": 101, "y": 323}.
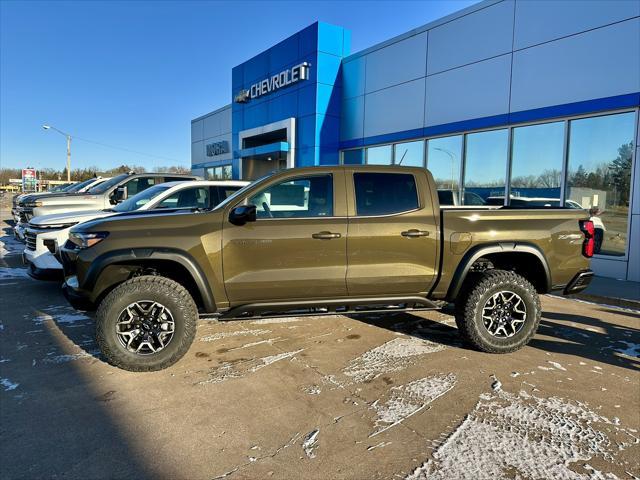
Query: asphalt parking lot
{"x": 373, "y": 396}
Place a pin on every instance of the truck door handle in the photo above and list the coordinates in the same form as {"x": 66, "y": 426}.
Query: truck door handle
{"x": 325, "y": 235}
{"x": 415, "y": 233}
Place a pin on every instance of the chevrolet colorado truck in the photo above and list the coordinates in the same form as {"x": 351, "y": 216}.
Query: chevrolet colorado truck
{"x": 45, "y": 234}
{"x": 336, "y": 239}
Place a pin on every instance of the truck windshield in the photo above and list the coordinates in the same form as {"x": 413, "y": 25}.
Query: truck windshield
{"x": 76, "y": 187}
{"x": 104, "y": 186}
{"x": 142, "y": 198}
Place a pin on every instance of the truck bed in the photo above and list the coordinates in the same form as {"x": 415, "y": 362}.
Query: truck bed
{"x": 554, "y": 231}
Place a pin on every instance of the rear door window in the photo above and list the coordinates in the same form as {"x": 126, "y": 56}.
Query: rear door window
{"x": 385, "y": 193}
{"x": 220, "y": 193}
{"x": 139, "y": 184}
{"x": 197, "y": 197}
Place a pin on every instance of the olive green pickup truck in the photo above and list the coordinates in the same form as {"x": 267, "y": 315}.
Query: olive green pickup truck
{"x": 336, "y": 239}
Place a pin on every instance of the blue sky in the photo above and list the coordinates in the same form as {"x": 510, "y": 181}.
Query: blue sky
{"x": 134, "y": 74}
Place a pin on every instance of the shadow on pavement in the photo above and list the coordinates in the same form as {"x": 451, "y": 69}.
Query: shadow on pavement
{"x": 598, "y": 344}
{"x": 413, "y": 325}
{"x": 55, "y": 420}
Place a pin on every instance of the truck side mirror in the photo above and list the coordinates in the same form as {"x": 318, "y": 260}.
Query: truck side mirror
{"x": 119, "y": 195}
{"x": 242, "y": 214}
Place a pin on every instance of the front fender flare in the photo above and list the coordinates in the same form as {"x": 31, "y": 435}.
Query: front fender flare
{"x": 141, "y": 254}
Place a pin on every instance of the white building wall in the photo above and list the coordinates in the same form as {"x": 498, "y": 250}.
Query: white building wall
{"x": 210, "y": 128}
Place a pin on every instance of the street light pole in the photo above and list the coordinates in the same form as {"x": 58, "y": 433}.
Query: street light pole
{"x": 49, "y": 127}
{"x": 68, "y": 158}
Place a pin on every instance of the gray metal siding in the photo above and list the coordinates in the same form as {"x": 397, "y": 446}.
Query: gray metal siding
{"x": 478, "y": 36}
{"x": 474, "y": 91}
{"x": 595, "y": 64}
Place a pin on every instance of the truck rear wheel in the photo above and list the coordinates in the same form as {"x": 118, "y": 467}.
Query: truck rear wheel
{"x": 498, "y": 311}
{"x": 146, "y": 323}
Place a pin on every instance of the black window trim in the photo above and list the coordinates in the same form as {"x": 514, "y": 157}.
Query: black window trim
{"x": 404, "y": 212}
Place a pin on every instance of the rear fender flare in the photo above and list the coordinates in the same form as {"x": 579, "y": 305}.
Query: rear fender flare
{"x": 481, "y": 250}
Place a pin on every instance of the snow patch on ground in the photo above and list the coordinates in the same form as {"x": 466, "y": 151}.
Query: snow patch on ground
{"x": 8, "y": 385}
{"x": 230, "y": 370}
{"x": 61, "y": 316}
{"x": 238, "y": 333}
{"x": 7, "y": 273}
{"x": 407, "y": 400}
{"x": 266, "y": 321}
{"x": 631, "y": 349}
{"x": 10, "y": 247}
{"x": 58, "y": 359}
{"x": 310, "y": 442}
{"x": 523, "y": 436}
{"x": 393, "y": 356}
{"x": 556, "y": 365}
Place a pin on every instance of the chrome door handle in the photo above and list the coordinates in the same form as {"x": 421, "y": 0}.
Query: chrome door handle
{"x": 415, "y": 233}
{"x": 325, "y": 235}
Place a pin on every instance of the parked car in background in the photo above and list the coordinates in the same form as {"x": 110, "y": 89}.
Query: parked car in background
{"x": 19, "y": 203}
{"x": 449, "y": 198}
{"x": 45, "y": 234}
{"x": 104, "y": 195}
{"x": 326, "y": 239}
{"x": 532, "y": 202}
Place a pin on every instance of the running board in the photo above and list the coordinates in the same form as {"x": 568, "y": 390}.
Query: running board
{"x": 329, "y": 307}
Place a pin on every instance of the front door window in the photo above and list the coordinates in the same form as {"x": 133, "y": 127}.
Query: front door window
{"x": 305, "y": 197}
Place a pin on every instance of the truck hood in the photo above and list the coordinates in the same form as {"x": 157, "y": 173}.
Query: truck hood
{"x": 69, "y": 218}
{"x": 128, "y": 220}
{"x": 53, "y": 198}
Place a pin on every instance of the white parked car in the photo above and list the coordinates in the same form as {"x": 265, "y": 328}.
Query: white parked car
{"x": 46, "y": 233}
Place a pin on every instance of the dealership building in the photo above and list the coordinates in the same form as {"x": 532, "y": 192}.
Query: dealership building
{"x": 520, "y": 102}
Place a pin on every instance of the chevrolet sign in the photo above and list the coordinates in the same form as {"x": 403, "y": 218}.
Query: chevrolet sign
{"x": 276, "y": 82}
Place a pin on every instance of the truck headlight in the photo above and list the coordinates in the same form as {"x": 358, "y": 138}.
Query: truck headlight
{"x": 87, "y": 239}
{"x": 35, "y": 204}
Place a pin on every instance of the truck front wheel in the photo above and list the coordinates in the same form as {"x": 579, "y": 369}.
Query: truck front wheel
{"x": 146, "y": 323}
{"x": 498, "y": 311}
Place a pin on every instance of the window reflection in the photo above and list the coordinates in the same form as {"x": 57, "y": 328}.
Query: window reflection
{"x": 599, "y": 176}
{"x": 485, "y": 166}
{"x": 444, "y": 158}
{"x": 222, "y": 172}
{"x": 536, "y": 165}
{"x": 379, "y": 155}
{"x": 353, "y": 157}
{"x": 409, "y": 154}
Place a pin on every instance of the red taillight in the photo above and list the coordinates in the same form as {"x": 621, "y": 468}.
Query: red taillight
{"x": 588, "y": 246}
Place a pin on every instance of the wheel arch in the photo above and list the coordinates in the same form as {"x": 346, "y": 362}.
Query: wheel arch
{"x": 112, "y": 268}
{"x": 523, "y": 258}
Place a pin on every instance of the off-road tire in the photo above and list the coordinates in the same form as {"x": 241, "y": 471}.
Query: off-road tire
{"x": 476, "y": 291}
{"x": 147, "y": 287}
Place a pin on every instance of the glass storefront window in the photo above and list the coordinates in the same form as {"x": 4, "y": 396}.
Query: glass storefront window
{"x": 444, "y": 157}
{"x": 599, "y": 176}
{"x": 409, "y": 154}
{"x": 485, "y": 167}
{"x": 222, "y": 172}
{"x": 536, "y": 165}
{"x": 379, "y": 155}
{"x": 353, "y": 157}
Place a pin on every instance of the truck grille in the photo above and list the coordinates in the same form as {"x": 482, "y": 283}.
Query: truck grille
{"x": 30, "y": 239}
{"x": 26, "y": 214}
